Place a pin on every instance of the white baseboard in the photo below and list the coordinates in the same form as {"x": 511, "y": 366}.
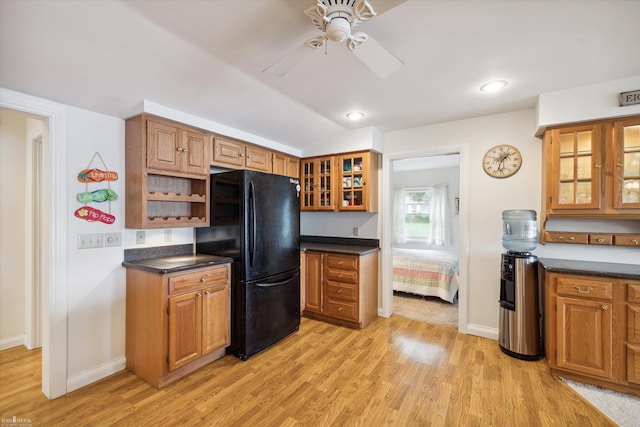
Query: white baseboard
{"x": 12, "y": 342}
{"x": 482, "y": 331}
{"x": 88, "y": 377}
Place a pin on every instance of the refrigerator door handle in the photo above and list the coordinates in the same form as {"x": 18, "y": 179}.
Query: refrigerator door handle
{"x": 252, "y": 223}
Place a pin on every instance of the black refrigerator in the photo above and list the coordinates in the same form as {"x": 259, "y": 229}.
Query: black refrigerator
{"x": 255, "y": 219}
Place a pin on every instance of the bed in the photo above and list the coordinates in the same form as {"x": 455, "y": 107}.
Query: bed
{"x": 426, "y": 272}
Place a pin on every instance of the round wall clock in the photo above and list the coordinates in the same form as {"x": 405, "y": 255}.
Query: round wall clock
{"x": 502, "y": 161}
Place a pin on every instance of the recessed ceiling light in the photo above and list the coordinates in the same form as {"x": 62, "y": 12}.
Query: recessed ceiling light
{"x": 493, "y": 86}
{"x": 355, "y": 115}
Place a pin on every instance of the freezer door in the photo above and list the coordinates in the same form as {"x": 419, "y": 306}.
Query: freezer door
{"x": 272, "y": 225}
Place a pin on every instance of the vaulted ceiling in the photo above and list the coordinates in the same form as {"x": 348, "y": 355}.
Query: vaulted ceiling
{"x": 206, "y": 58}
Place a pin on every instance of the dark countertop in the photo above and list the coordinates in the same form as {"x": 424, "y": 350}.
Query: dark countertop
{"x": 176, "y": 263}
{"x": 603, "y": 269}
{"x": 338, "y": 248}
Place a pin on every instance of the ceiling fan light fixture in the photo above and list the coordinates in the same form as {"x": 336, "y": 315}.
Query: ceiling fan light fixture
{"x": 355, "y": 115}
{"x": 493, "y": 86}
{"x": 339, "y": 29}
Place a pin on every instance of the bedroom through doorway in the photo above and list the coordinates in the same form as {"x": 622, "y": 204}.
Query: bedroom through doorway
{"x": 426, "y": 194}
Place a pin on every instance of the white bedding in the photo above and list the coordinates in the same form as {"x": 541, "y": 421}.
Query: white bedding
{"x": 426, "y": 272}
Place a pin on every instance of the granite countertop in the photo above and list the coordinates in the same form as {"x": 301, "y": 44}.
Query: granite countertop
{"x": 603, "y": 269}
{"x": 339, "y": 245}
{"x": 169, "y": 259}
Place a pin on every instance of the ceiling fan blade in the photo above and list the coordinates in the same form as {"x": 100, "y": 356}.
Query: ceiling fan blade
{"x": 382, "y": 62}
{"x": 286, "y": 63}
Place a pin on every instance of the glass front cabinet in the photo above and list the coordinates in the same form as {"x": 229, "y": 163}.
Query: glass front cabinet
{"x": 345, "y": 182}
{"x": 627, "y": 164}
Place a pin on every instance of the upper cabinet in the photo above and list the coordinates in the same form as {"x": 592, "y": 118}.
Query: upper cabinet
{"x": 167, "y": 173}
{"x": 593, "y": 170}
{"x": 238, "y": 155}
{"x": 346, "y": 182}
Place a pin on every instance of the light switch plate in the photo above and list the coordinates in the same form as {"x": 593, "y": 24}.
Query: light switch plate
{"x": 89, "y": 241}
{"x": 140, "y": 237}
{"x": 112, "y": 239}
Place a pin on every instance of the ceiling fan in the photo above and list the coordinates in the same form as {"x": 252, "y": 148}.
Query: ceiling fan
{"x": 336, "y": 19}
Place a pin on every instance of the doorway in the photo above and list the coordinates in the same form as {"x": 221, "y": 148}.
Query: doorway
{"x": 52, "y": 236}
{"x": 425, "y": 251}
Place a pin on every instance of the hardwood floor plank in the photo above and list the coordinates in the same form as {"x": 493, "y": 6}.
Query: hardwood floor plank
{"x": 394, "y": 372}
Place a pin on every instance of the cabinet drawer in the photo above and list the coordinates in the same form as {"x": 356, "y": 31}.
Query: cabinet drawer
{"x": 341, "y": 262}
{"x": 626, "y": 239}
{"x": 633, "y": 323}
{"x": 199, "y": 279}
{"x": 561, "y": 237}
{"x": 342, "y": 291}
{"x": 342, "y": 309}
{"x": 600, "y": 239}
{"x": 633, "y": 364}
{"x": 584, "y": 288}
{"x": 342, "y": 276}
{"x": 633, "y": 292}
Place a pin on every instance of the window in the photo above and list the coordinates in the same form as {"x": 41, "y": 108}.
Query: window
{"x": 417, "y": 208}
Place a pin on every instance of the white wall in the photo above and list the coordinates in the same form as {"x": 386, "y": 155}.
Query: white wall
{"x": 13, "y": 157}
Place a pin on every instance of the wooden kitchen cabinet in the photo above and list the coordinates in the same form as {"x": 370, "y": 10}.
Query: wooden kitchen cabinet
{"x": 342, "y": 289}
{"x": 592, "y": 171}
{"x": 589, "y": 332}
{"x": 167, "y": 173}
{"x": 317, "y": 184}
{"x": 358, "y": 181}
{"x": 238, "y": 155}
{"x": 176, "y": 322}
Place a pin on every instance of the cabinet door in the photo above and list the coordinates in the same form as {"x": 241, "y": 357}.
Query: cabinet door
{"x": 353, "y": 182}
{"x": 195, "y": 153}
{"x": 185, "y": 329}
{"x": 314, "y": 282}
{"x": 278, "y": 164}
{"x": 258, "y": 159}
{"x": 633, "y": 364}
{"x": 627, "y": 166}
{"x": 215, "y": 318}
{"x": 574, "y": 178}
{"x": 308, "y": 177}
{"x": 293, "y": 167}
{"x": 324, "y": 193}
{"x": 163, "y": 146}
{"x": 228, "y": 153}
{"x": 584, "y": 336}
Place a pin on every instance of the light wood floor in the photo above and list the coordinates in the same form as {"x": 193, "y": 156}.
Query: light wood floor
{"x": 397, "y": 371}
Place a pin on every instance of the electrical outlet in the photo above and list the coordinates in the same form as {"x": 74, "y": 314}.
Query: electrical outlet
{"x": 112, "y": 239}
{"x": 355, "y": 231}
{"x": 168, "y": 235}
{"x": 140, "y": 236}
{"x": 88, "y": 241}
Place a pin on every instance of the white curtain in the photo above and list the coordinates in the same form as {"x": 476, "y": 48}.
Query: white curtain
{"x": 439, "y": 221}
{"x": 398, "y": 216}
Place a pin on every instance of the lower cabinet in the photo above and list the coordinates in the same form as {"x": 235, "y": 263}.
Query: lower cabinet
{"x": 592, "y": 330}
{"x": 176, "y": 322}
{"x": 342, "y": 289}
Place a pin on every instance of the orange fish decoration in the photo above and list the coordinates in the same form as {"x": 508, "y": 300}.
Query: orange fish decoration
{"x": 97, "y": 175}
{"x": 92, "y": 214}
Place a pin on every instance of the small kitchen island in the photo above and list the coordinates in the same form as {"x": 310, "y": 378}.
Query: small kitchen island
{"x": 592, "y": 322}
{"x": 178, "y": 311}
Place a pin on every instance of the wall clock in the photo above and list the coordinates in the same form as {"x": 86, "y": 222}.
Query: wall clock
{"x": 502, "y": 161}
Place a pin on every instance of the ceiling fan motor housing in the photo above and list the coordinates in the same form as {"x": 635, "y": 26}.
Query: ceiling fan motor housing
{"x": 336, "y": 17}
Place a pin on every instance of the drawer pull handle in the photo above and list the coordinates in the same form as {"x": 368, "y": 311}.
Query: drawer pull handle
{"x": 339, "y": 262}
{"x": 207, "y": 292}
{"x": 600, "y": 239}
{"x": 340, "y": 276}
{"x": 597, "y": 166}
{"x": 635, "y": 241}
{"x": 198, "y": 294}
{"x": 605, "y": 307}
{"x": 339, "y": 291}
{"x": 569, "y": 238}
{"x": 203, "y": 279}
{"x": 339, "y": 308}
{"x": 583, "y": 291}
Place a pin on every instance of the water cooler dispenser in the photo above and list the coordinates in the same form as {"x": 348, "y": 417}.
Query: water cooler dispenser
{"x": 520, "y": 302}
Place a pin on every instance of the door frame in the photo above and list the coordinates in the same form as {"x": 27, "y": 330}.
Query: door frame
{"x": 386, "y": 206}
{"x": 54, "y": 313}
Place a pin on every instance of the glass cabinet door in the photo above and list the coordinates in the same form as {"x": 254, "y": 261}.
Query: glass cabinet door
{"x": 325, "y": 192}
{"x": 627, "y": 171}
{"x": 308, "y": 183}
{"x": 577, "y": 153}
{"x": 352, "y": 183}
